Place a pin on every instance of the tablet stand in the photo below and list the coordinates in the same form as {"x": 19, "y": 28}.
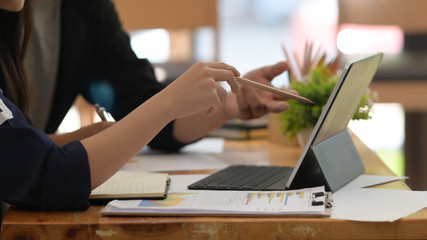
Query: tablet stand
{"x": 333, "y": 163}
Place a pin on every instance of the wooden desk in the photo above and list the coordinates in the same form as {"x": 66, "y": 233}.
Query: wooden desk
{"x": 89, "y": 225}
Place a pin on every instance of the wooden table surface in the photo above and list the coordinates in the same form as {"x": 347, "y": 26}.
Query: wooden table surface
{"x": 89, "y": 224}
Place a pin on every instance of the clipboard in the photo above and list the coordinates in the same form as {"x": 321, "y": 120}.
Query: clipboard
{"x": 310, "y": 202}
{"x": 327, "y": 201}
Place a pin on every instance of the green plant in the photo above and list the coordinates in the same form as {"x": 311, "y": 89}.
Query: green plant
{"x": 318, "y": 87}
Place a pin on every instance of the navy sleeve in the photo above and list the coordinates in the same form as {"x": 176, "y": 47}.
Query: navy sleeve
{"x": 165, "y": 141}
{"x": 35, "y": 173}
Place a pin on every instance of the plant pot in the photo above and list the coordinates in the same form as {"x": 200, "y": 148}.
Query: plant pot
{"x": 303, "y": 136}
{"x": 274, "y": 134}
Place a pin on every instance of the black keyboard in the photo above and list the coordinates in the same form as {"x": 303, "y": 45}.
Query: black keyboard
{"x": 243, "y": 177}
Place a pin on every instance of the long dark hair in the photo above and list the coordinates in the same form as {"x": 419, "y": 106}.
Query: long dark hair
{"x": 15, "y": 29}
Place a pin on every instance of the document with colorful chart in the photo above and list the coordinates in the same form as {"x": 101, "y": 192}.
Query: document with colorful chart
{"x": 309, "y": 201}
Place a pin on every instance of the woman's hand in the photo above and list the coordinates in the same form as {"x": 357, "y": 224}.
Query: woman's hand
{"x": 194, "y": 91}
{"x": 198, "y": 89}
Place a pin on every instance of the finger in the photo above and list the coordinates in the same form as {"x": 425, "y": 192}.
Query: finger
{"x": 249, "y": 103}
{"x": 243, "y": 106}
{"x": 280, "y": 96}
{"x": 228, "y": 76}
{"x": 224, "y": 66}
{"x": 274, "y": 70}
{"x": 257, "y": 107}
{"x": 222, "y": 93}
{"x": 291, "y": 91}
{"x": 268, "y": 72}
{"x": 277, "y": 106}
{"x": 221, "y": 65}
{"x": 211, "y": 111}
{"x": 220, "y": 98}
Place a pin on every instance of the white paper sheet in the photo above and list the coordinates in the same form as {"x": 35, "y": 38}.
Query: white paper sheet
{"x": 376, "y": 205}
{"x": 201, "y": 155}
{"x": 354, "y": 202}
{"x": 297, "y": 202}
{"x": 174, "y": 162}
{"x": 366, "y": 180}
{"x": 205, "y": 145}
{"x": 179, "y": 183}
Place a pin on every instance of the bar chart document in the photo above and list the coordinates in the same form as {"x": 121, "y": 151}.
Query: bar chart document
{"x": 310, "y": 201}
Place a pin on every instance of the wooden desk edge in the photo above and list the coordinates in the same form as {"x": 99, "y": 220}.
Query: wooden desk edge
{"x": 89, "y": 224}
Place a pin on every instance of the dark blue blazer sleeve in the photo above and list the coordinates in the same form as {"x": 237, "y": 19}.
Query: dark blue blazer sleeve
{"x": 35, "y": 173}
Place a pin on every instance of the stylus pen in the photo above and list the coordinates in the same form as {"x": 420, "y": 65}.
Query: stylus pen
{"x": 274, "y": 90}
{"x": 103, "y": 114}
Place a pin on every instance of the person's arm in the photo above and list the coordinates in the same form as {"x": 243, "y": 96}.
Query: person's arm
{"x": 38, "y": 174}
{"x": 195, "y": 91}
{"x": 247, "y": 103}
{"x": 79, "y": 134}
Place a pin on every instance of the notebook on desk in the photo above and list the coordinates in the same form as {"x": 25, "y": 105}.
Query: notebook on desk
{"x": 131, "y": 185}
{"x": 329, "y": 157}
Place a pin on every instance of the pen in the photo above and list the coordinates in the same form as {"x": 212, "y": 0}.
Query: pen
{"x": 103, "y": 114}
{"x": 274, "y": 90}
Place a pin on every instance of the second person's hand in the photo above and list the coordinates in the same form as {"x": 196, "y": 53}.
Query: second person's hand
{"x": 250, "y": 102}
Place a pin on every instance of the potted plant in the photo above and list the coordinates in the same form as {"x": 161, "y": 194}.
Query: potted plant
{"x": 316, "y": 82}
